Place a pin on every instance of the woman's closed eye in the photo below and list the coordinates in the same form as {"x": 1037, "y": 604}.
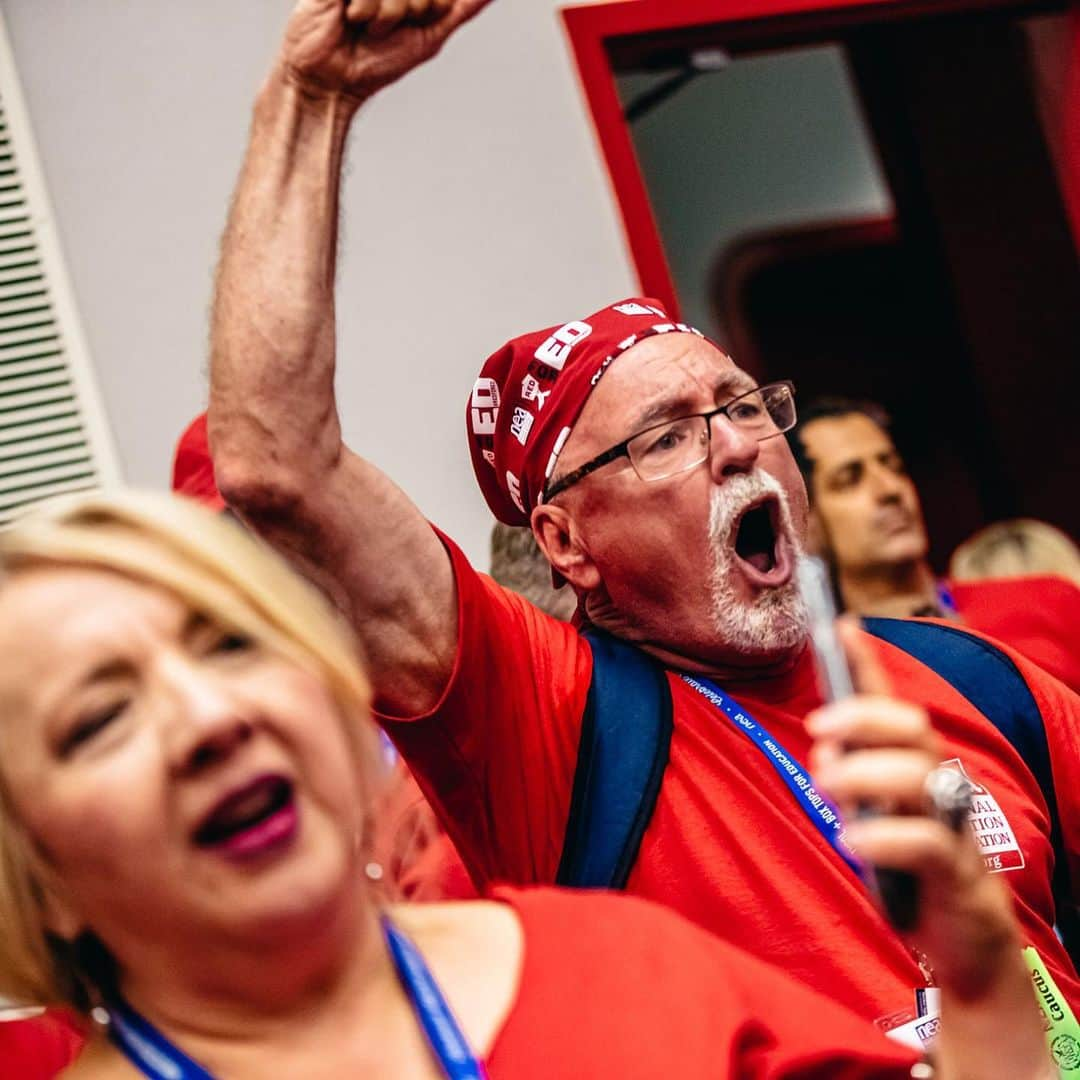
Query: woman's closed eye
{"x": 207, "y": 638}
{"x": 89, "y": 726}
{"x": 230, "y": 642}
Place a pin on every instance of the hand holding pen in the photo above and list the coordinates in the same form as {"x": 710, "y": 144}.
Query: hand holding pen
{"x": 875, "y": 754}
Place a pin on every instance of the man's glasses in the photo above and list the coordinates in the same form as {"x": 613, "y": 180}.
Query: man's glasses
{"x": 677, "y": 445}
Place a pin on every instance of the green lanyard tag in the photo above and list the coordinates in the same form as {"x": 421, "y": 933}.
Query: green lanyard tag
{"x": 1062, "y": 1030}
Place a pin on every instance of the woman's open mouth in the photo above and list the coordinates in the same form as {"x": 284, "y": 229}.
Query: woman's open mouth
{"x": 761, "y": 549}
{"x": 251, "y": 820}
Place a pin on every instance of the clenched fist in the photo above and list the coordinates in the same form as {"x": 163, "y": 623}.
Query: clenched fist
{"x": 355, "y": 48}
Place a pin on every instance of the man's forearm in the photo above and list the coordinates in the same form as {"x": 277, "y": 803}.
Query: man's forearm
{"x": 273, "y": 335}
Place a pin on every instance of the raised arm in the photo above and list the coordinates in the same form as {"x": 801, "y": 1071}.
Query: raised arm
{"x": 273, "y": 422}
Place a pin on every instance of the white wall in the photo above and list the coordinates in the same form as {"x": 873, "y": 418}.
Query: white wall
{"x": 476, "y": 207}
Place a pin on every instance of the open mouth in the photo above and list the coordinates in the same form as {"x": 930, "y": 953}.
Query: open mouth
{"x": 758, "y": 544}
{"x": 251, "y": 819}
{"x": 755, "y": 537}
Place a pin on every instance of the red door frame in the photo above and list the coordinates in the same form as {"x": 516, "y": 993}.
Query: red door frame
{"x": 591, "y": 26}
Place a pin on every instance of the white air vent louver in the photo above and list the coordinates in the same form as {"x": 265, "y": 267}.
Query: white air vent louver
{"x": 53, "y": 438}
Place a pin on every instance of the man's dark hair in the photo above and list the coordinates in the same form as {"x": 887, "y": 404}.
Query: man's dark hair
{"x": 825, "y": 408}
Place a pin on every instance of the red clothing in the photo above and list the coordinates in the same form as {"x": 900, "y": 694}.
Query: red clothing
{"x": 727, "y": 846}
{"x": 419, "y": 860}
{"x": 38, "y": 1049}
{"x": 1038, "y": 616}
{"x": 613, "y": 987}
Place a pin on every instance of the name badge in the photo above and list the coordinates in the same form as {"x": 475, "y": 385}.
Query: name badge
{"x": 917, "y": 1034}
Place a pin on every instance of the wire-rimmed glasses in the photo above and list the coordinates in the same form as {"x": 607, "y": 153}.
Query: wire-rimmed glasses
{"x": 674, "y": 446}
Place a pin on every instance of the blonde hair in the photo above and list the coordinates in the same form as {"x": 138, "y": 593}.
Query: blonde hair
{"x": 219, "y": 570}
{"x": 1013, "y": 549}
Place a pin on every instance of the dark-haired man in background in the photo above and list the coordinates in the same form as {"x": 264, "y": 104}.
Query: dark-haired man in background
{"x": 867, "y": 521}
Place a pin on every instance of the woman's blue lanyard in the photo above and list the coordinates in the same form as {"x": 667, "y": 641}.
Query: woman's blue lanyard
{"x": 823, "y": 815}
{"x": 432, "y": 1009}
{"x": 150, "y": 1052}
{"x": 946, "y": 600}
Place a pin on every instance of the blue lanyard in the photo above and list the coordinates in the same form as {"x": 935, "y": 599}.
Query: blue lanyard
{"x": 946, "y": 600}
{"x": 147, "y": 1049}
{"x": 156, "y": 1057}
{"x": 822, "y": 814}
{"x": 432, "y": 1010}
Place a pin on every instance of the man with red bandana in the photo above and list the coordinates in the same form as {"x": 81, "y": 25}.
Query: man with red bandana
{"x": 652, "y": 472}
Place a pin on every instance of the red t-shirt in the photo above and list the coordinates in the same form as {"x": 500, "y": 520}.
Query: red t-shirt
{"x": 39, "y": 1048}
{"x": 417, "y": 857}
{"x": 616, "y": 987}
{"x": 727, "y": 846}
{"x": 1038, "y": 616}
{"x": 613, "y": 987}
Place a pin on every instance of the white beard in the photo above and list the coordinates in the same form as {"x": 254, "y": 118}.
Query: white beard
{"x": 775, "y": 620}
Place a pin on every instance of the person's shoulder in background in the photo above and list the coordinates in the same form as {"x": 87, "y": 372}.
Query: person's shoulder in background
{"x": 1037, "y": 615}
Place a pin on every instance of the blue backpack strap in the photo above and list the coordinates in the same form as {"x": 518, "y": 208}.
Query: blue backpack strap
{"x": 622, "y": 755}
{"x": 989, "y": 679}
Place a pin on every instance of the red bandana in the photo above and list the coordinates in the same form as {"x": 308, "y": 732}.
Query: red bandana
{"x": 530, "y": 393}
{"x": 193, "y": 471}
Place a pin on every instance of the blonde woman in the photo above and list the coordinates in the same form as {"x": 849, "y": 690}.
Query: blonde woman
{"x": 186, "y": 767}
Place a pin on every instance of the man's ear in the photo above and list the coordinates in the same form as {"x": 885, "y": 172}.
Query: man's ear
{"x": 558, "y": 538}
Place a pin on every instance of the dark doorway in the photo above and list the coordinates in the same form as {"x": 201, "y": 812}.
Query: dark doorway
{"x": 945, "y": 284}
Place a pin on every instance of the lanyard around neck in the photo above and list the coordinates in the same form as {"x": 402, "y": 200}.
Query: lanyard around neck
{"x": 821, "y": 812}
{"x": 157, "y": 1058}
{"x": 443, "y": 1032}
